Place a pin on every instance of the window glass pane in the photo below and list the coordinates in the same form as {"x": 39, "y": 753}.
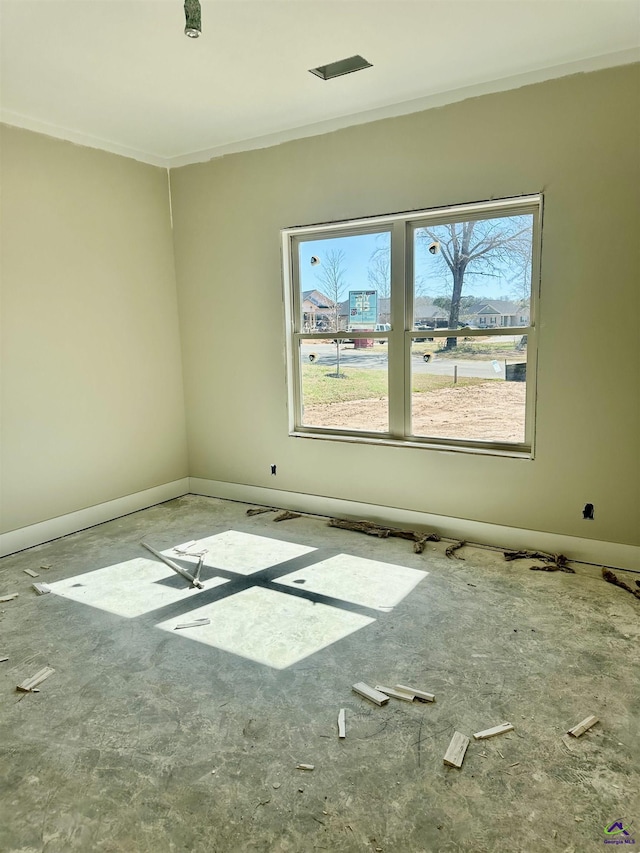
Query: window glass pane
{"x": 475, "y": 273}
{"x": 345, "y": 386}
{"x": 475, "y": 391}
{"x": 345, "y": 282}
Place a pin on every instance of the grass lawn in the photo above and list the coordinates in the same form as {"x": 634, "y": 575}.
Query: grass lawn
{"x": 363, "y": 384}
{"x": 472, "y": 350}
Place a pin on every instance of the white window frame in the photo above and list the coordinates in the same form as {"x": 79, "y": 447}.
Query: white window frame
{"x": 401, "y": 228}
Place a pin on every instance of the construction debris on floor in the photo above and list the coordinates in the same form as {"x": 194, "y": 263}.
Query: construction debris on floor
{"x": 454, "y": 755}
{"x": 170, "y": 728}
{"x": 176, "y": 568}
{"x": 611, "y": 577}
{"x": 551, "y": 562}
{"x": 370, "y": 529}
{"x": 29, "y": 685}
{"x": 584, "y": 726}
{"x": 287, "y": 516}
{"x": 450, "y": 551}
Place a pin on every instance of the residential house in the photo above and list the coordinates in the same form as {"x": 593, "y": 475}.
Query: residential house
{"x": 318, "y": 311}
{"x": 496, "y": 313}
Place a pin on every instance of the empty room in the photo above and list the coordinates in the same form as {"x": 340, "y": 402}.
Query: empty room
{"x": 320, "y": 418}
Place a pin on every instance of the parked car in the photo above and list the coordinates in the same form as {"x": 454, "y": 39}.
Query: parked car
{"x": 423, "y": 327}
{"x": 382, "y": 327}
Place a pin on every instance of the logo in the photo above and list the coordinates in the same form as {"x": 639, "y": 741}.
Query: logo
{"x": 619, "y": 832}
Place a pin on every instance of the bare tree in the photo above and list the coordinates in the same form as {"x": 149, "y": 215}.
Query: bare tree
{"x": 379, "y": 272}
{"x": 521, "y": 281}
{"x": 485, "y": 247}
{"x": 331, "y": 278}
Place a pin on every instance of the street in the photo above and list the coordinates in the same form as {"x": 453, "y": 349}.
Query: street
{"x": 378, "y": 359}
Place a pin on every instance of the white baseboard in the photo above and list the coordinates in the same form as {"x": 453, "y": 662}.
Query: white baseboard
{"x": 54, "y": 528}
{"x": 590, "y": 551}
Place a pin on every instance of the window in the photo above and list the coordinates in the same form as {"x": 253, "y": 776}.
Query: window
{"x": 416, "y": 329}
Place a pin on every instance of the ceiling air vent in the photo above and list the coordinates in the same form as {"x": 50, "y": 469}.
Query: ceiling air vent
{"x": 343, "y": 66}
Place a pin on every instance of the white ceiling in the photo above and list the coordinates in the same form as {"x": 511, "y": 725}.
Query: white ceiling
{"x": 121, "y": 75}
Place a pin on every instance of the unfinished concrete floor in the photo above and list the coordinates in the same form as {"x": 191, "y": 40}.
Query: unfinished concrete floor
{"x": 152, "y": 740}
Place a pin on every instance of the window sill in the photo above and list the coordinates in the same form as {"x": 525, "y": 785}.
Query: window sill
{"x": 517, "y": 451}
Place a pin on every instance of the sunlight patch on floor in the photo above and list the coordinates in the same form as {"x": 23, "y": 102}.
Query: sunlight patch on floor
{"x": 358, "y": 580}
{"x": 245, "y": 553}
{"x": 128, "y": 589}
{"x": 260, "y": 619}
{"x": 269, "y": 627}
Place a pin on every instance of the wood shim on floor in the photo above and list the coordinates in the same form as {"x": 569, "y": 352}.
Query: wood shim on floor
{"x": 31, "y": 573}
{"x": 41, "y": 588}
{"x": 342, "y": 726}
{"x": 305, "y": 767}
{"x": 396, "y": 694}
{"x": 419, "y": 694}
{"x": 369, "y": 693}
{"x": 29, "y": 683}
{"x": 9, "y": 597}
{"x": 582, "y": 727}
{"x": 496, "y": 730}
{"x": 454, "y": 756}
{"x": 196, "y": 623}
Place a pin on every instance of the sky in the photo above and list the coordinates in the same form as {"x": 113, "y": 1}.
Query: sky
{"x": 358, "y": 250}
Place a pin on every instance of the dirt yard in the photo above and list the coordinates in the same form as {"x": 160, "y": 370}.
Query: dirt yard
{"x": 493, "y": 411}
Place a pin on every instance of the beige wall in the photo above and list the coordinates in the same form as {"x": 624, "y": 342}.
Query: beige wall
{"x": 576, "y": 139}
{"x": 92, "y": 399}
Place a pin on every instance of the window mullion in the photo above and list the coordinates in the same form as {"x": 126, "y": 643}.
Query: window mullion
{"x": 397, "y": 356}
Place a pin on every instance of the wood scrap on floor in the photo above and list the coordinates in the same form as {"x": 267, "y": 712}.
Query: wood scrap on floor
{"x": 551, "y": 562}
{"x": 584, "y": 726}
{"x": 454, "y": 755}
{"x": 287, "y": 516}
{"x": 496, "y": 730}
{"x": 44, "y": 566}
{"x": 173, "y": 566}
{"x": 2, "y": 660}
{"x": 342, "y": 725}
{"x": 28, "y": 684}
{"x": 417, "y": 694}
{"x": 41, "y": 588}
{"x": 370, "y": 529}
{"x": 258, "y": 510}
{"x": 196, "y": 576}
{"x": 451, "y": 550}
{"x": 8, "y": 597}
{"x": 610, "y": 577}
{"x": 305, "y": 767}
{"x": 195, "y": 623}
{"x": 369, "y": 693}
{"x": 395, "y": 694}
{"x": 182, "y": 549}
{"x": 31, "y": 573}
